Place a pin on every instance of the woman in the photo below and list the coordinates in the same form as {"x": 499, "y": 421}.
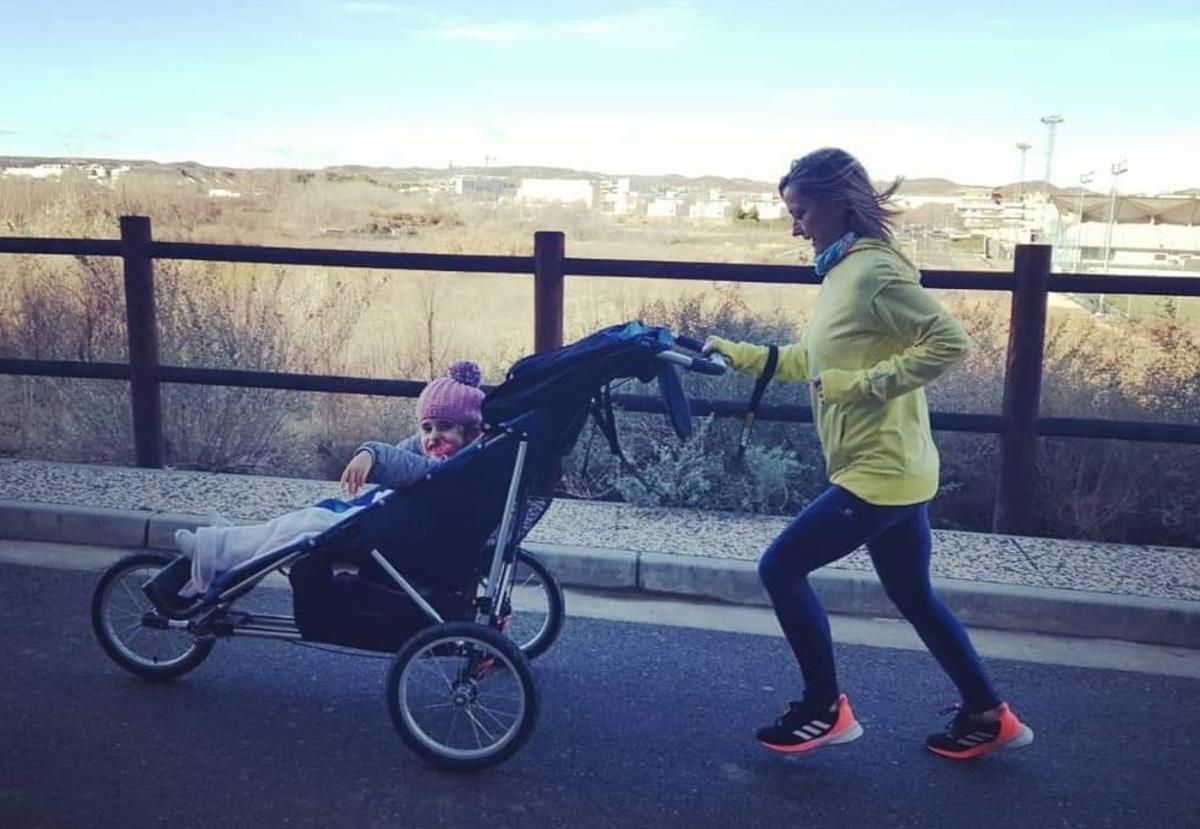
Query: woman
{"x": 875, "y": 339}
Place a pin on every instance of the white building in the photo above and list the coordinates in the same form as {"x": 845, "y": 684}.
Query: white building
{"x": 1031, "y": 218}
{"x": 37, "y": 171}
{"x": 711, "y": 209}
{"x": 664, "y": 207}
{"x": 94, "y": 172}
{"x": 491, "y": 187}
{"x": 905, "y": 202}
{"x": 1131, "y": 248}
{"x": 617, "y": 197}
{"x": 221, "y": 193}
{"x": 556, "y": 191}
{"x": 767, "y": 206}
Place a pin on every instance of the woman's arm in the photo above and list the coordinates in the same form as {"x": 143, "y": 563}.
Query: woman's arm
{"x": 909, "y": 313}
{"x": 749, "y": 358}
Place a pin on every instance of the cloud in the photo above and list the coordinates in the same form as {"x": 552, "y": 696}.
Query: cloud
{"x": 493, "y": 33}
{"x": 9, "y": 131}
{"x": 1187, "y": 29}
{"x": 659, "y": 22}
{"x": 370, "y": 7}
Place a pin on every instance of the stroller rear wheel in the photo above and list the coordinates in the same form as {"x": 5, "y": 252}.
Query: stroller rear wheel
{"x": 536, "y": 607}
{"x": 462, "y": 696}
{"x": 123, "y": 619}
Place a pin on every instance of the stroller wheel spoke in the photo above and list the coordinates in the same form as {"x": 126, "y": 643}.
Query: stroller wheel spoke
{"x": 433, "y": 706}
{"x": 136, "y": 627}
{"x": 441, "y": 671}
{"x": 128, "y": 607}
{"x": 130, "y": 594}
{"x": 495, "y": 715}
{"x": 477, "y": 726}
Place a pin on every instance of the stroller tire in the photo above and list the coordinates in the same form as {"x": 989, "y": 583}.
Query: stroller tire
{"x": 538, "y": 618}
{"x": 462, "y": 696}
{"x": 119, "y": 609}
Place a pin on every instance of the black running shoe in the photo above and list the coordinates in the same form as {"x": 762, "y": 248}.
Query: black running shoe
{"x": 804, "y": 727}
{"x": 967, "y": 737}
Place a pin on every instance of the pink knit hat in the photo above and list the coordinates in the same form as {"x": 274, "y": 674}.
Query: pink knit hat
{"x": 456, "y": 397}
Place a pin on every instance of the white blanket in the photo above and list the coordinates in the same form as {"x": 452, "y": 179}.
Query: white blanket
{"x": 221, "y": 548}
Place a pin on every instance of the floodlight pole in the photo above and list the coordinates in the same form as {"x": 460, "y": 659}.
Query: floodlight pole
{"x": 1084, "y": 178}
{"x": 1117, "y": 168}
{"x": 1051, "y": 122}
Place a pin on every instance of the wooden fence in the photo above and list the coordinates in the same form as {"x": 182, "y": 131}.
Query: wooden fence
{"x": 1018, "y": 424}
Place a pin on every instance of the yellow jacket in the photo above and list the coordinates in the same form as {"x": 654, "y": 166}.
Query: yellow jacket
{"x": 875, "y": 338}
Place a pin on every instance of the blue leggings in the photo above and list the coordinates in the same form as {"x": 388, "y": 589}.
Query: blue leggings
{"x": 898, "y": 539}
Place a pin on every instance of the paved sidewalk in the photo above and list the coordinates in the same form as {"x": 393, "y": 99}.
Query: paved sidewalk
{"x": 1141, "y": 593}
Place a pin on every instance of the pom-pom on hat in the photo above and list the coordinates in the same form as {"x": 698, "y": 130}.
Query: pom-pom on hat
{"x": 456, "y": 397}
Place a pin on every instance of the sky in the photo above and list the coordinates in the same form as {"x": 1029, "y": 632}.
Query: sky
{"x": 727, "y": 87}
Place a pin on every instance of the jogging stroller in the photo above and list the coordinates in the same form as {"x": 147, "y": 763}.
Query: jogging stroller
{"x": 440, "y": 572}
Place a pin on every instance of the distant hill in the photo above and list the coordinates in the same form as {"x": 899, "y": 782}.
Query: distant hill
{"x": 927, "y": 186}
{"x": 30, "y": 161}
{"x": 1036, "y": 186}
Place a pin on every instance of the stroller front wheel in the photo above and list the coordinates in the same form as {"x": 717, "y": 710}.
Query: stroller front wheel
{"x": 121, "y": 619}
{"x": 462, "y": 696}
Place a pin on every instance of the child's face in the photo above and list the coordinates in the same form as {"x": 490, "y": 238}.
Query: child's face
{"x": 441, "y": 438}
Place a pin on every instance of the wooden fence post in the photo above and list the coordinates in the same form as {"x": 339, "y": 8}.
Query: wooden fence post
{"x": 1013, "y": 512}
{"x": 548, "y": 255}
{"x": 142, "y": 328}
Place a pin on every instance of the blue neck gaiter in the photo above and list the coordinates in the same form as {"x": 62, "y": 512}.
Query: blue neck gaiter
{"x": 833, "y": 254}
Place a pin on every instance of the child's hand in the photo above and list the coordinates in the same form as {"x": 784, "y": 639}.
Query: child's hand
{"x": 355, "y": 473}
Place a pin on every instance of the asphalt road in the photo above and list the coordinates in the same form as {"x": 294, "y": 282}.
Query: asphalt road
{"x": 641, "y": 725}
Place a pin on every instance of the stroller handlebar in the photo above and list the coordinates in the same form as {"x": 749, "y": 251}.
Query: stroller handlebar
{"x": 714, "y": 364}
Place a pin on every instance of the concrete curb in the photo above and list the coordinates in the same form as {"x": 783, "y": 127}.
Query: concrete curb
{"x": 983, "y": 604}
{"x": 73, "y": 524}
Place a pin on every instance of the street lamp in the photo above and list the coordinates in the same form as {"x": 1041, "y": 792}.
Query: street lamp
{"x": 1117, "y": 168}
{"x": 1024, "y": 148}
{"x": 1051, "y": 122}
{"x": 1084, "y": 178}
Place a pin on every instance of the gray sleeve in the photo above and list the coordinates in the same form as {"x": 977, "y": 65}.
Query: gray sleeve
{"x": 397, "y": 466}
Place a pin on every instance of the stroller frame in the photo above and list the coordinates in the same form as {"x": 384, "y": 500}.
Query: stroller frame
{"x": 204, "y": 618}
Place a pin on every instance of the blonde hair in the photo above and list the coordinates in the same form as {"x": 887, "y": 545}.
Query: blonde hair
{"x": 833, "y": 173}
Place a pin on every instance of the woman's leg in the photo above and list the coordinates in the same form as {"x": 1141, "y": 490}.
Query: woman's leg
{"x": 830, "y": 527}
{"x": 901, "y": 555}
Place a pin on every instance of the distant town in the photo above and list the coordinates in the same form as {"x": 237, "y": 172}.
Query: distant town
{"x": 1091, "y": 232}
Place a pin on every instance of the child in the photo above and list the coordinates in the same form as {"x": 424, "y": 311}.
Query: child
{"x": 448, "y": 416}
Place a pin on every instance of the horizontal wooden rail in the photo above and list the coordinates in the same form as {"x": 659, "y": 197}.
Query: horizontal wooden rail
{"x": 1073, "y": 427}
{"x": 342, "y": 258}
{"x": 61, "y": 247}
{"x": 1073, "y": 283}
{"x": 1084, "y": 283}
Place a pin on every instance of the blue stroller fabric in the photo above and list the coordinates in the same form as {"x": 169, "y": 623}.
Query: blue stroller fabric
{"x": 436, "y": 532}
{"x": 570, "y": 377}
